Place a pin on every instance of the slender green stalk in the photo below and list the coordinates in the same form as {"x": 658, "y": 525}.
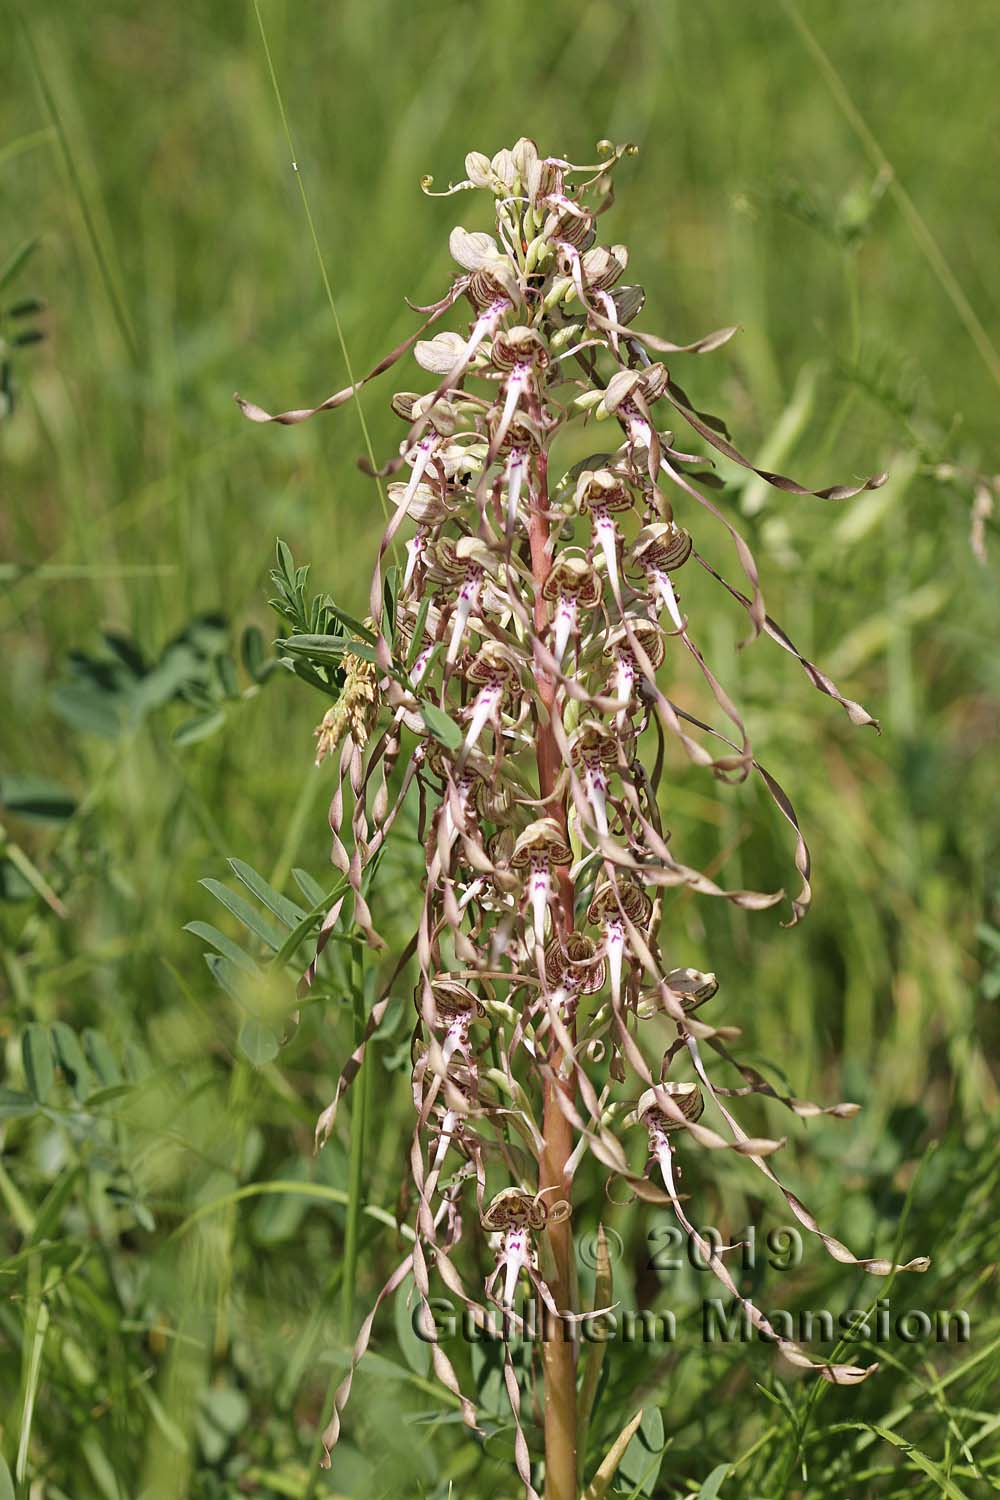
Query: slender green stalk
{"x": 118, "y": 307}
{"x": 918, "y": 225}
{"x": 20, "y": 861}
{"x": 593, "y": 1359}
{"x": 355, "y": 1206}
{"x": 355, "y": 1189}
{"x": 13, "y": 149}
{"x": 39, "y": 1322}
{"x": 321, "y": 259}
{"x": 297, "y": 825}
{"x": 19, "y": 1210}
{"x": 237, "y": 1113}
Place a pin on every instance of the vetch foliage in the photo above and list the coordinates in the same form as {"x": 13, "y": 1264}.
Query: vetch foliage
{"x": 18, "y": 329}
{"x": 514, "y": 676}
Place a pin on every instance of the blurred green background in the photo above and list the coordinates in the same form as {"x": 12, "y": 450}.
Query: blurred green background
{"x": 827, "y": 178}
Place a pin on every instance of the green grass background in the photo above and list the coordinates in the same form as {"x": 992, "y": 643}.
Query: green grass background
{"x": 827, "y": 178}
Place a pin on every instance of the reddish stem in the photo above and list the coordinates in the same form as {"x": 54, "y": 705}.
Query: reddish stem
{"x": 558, "y": 1349}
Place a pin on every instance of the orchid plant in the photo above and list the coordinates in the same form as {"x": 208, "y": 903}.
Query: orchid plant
{"x": 513, "y": 677}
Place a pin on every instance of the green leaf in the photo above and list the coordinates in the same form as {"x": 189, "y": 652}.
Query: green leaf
{"x": 415, "y": 1350}
{"x": 102, "y": 1059}
{"x": 228, "y": 1407}
{"x": 593, "y": 1356}
{"x": 366, "y": 652}
{"x": 989, "y": 935}
{"x": 86, "y": 711}
{"x": 316, "y": 648}
{"x": 769, "y": 1395}
{"x": 71, "y": 1059}
{"x": 227, "y": 977}
{"x": 35, "y": 797}
{"x": 17, "y": 260}
{"x": 229, "y": 680}
{"x": 6, "y": 1483}
{"x": 225, "y": 946}
{"x": 109, "y": 1095}
{"x": 872, "y": 636}
{"x": 138, "y": 1210}
{"x": 138, "y": 1065}
{"x": 714, "y": 1482}
{"x": 305, "y": 673}
{"x": 50, "y": 1213}
{"x": 224, "y": 1412}
{"x": 258, "y": 1042}
{"x": 29, "y": 307}
{"x": 13, "y": 885}
{"x": 352, "y": 624}
{"x": 641, "y": 1462}
{"x": 251, "y": 918}
{"x": 202, "y": 727}
{"x": 390, "y": 589}
{"x": 310, "y": 888}
{"x": 283, "y": 553}
{"x": 610, "y": 1463}
{"x": 441, "y": 726}
{"x": 278, "y": 1216}
{"x": 417, "y": 642}
{"x": 916, "y": 1457}
{"x": 253, "y": 653}
{"x": 36, "y": 1054}
{"x": 298, "y": 935}
{"x": 315, "y": 1190}
{"x": 14, "y": 1104}
{"x": 286, "y": 911}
